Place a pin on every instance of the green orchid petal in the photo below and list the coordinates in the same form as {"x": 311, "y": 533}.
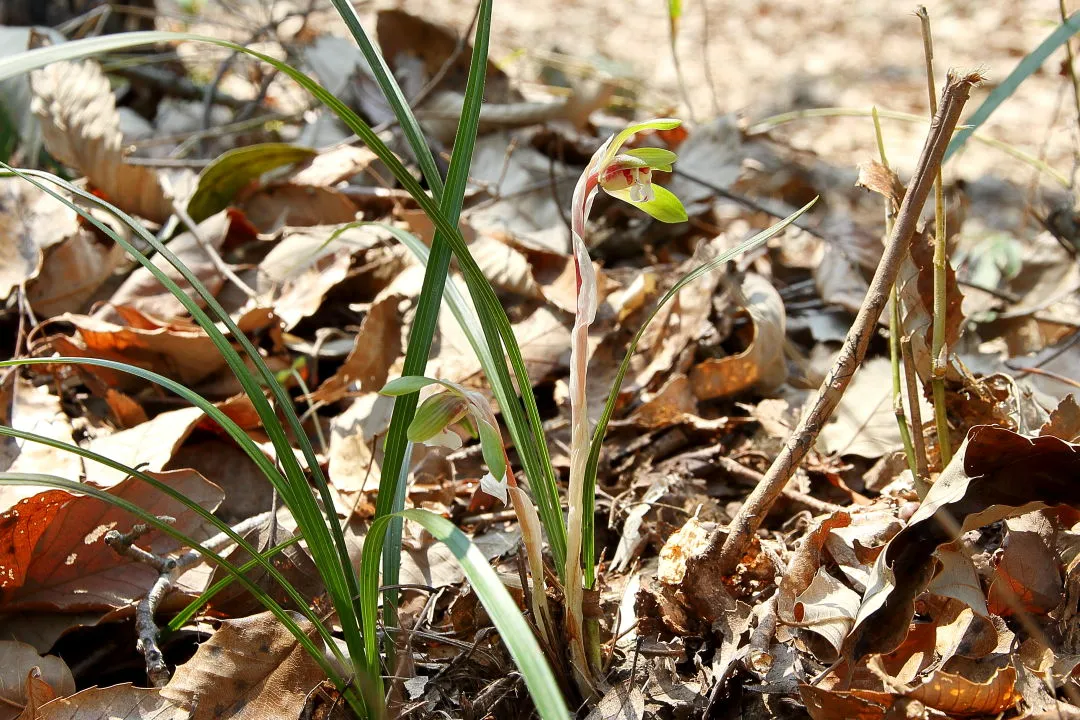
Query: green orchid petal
{"x": 656, "y": 158}
{"x": 405, "y": 385}
{"x": 618, "y": 141}
{"x": 664, "y": 206}
{"x": 436, "y": 414}
{"x": 492, "y": 448}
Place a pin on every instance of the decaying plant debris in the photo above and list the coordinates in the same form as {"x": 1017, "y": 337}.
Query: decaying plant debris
{"x": 769, "y": 541}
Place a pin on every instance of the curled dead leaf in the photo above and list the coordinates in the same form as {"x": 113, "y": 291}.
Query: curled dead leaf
{"x": 978, "y": 487}
{"x": 762, "y": 364}
{"x": 81, "y": 129}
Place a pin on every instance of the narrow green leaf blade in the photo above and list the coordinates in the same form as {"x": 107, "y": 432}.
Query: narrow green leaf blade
{"x": 501, "y": 608}
{"x": 1024, "y": 69}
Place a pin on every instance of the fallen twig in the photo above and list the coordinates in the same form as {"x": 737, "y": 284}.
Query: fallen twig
{"x": 757, "y": 505}
{"x": 169, "y": 569}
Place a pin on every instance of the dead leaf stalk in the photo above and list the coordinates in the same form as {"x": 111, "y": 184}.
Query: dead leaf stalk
{"x": 939, "y": 353}
{"x": 169, "y": 569}
{"x": 761, "y": 499}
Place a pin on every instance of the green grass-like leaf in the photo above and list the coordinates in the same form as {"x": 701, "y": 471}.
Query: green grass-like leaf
{"x": 496, "y": 329}
{"x": 588, "y": 551}
{"x": 501, "y": 608}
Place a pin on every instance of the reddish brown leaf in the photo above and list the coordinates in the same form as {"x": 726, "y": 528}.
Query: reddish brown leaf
{"x": 70, "y": 567}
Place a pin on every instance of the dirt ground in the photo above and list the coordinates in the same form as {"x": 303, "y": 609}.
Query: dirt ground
{"x": 761, "y": 58}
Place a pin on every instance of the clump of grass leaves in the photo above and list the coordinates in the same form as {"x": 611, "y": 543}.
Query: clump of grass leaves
{"x": 356, "y": 669}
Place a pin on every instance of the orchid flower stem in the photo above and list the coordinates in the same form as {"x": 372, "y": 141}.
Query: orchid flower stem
{"x": 627, "y": 176}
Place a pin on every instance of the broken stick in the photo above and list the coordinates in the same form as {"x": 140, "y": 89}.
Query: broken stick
{"x": 756, "y": 507}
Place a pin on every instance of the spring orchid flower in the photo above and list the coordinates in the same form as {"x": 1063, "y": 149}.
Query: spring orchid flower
{"x": 627, "y": 176}
{"x": 456, "y": 405}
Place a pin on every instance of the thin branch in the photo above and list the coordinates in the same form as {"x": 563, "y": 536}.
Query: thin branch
{"x": 204, "y": 244}
{"x": 169, "y": 569}
{"x": 757, "y": 505}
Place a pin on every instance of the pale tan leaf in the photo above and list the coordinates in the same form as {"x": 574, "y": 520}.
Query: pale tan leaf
{"x": 864, "y": 423}
{"x": 36, "y": 410}
{"x": 19, "y": 685}
{"x": 376, "y": 347}
{"x": 44, "y": 248}
{"x": 958, "y": 579}
{"x": 150, "y": 445}
{"x": 620, "y": 703}
{"x": 250, "y": 669}
{"x": 762, "y": 364}
{"x": 272, "y": 208}
{"x": 335, "y": 165}
{"x": 144, "y": 292}
{"x": 81, "y": 129}
{"x": 506, "y": 267}
{"x": 827, "y": 607}
{"x": 880, "y": 179}
{"x": 119, "y": 702}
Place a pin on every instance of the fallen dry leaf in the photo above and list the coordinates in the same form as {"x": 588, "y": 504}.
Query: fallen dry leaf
{"x": 149, "y": 446}
{"x": 376, "y": 346}
{"x": 145, "y": 293}
{"x": 1064, "y": 421}
{"x": 978, "y": 487}
{"x": 22, "y": 674}
{"x": 288, "y": 204}
{"x": 44, "y": 248}
{"x": 36, "y": 410}
{"x": 81, "y": 128}
{"x": 182, "y": 351}
{"x": 1027, "y": 572}
{"x": 119, "y": 702}
{"x": 59, "y": 560}
{"x": 864, "y": 423}
{"x": 762, "y": 364}
{"x": 250, "y": 669}
{"x": 825, "y": 704}
{"x": 958, "y": 695}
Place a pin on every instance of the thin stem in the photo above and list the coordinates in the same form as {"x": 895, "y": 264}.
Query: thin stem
{"x": 894, "y": 318}
{"x": 579, "y": 432}
{"x": 922, "y": 467}
{"x": 939, "y": 352}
